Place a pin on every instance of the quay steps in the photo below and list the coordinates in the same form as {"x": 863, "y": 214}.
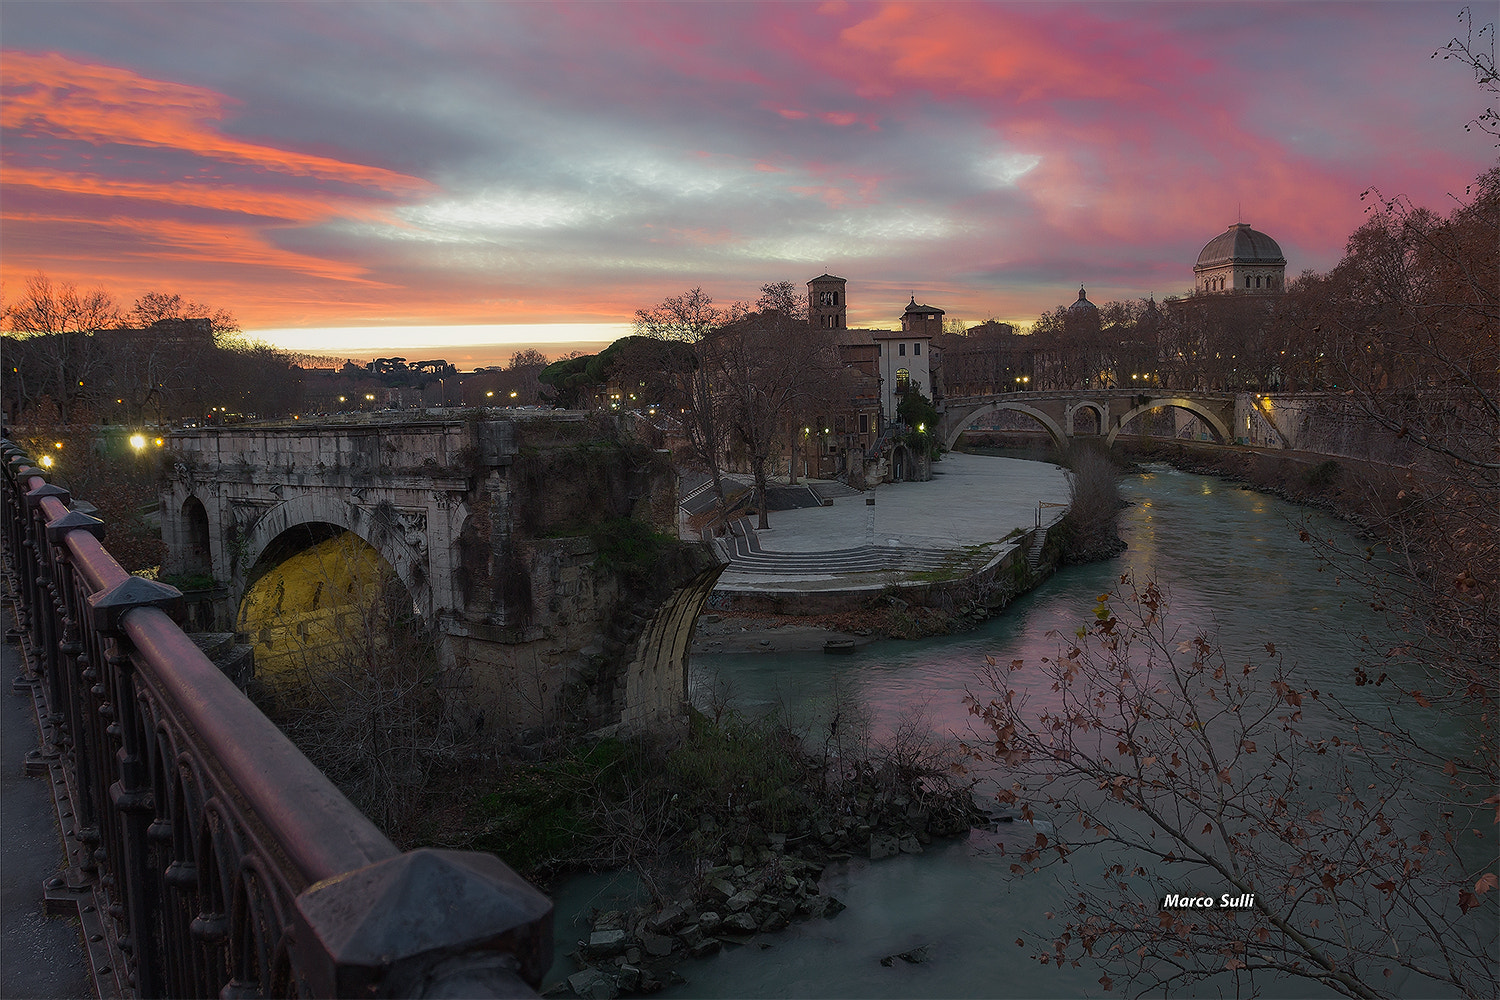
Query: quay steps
{"x": 747, "y": 556}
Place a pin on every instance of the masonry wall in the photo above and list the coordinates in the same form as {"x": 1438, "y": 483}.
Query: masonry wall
{"x": 505, "y": 534}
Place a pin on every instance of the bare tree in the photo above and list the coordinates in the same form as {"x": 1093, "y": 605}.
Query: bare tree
{"x": 773, "y": 368}
{"x": 154, "y": 307}
{"x": 1319, "y": 855}
{"x": 693, "y": 319}
{"x": 61, "y": 321}
{"x": 1471, "y": 52}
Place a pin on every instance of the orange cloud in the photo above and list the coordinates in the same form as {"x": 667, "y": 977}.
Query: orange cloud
{"x": 284, "y": 205}
{"x": 50, "y": 94}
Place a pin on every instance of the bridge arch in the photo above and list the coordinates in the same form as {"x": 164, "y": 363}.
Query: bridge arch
{"x": 197, "y": 553}
{"x": 381, "y": 531}
{"x": 1208, "y": 416}
{"x": 1100, "y": 410}
{"x": 1059, "y": 438}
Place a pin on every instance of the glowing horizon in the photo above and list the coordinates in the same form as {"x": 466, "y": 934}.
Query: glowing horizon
{"x": 511, "y": 167}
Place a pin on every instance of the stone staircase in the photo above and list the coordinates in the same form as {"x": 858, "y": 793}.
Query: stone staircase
{"x": 747, "y": 556}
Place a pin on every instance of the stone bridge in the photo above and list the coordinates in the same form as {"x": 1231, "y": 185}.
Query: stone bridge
{"x": 1227, "y": 415}
{"x": 494, "y": 524}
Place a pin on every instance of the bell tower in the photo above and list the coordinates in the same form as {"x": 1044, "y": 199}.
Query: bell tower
{"x": 827, "y": 306}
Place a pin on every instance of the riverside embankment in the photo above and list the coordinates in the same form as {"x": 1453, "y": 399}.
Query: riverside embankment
{"x": 905, "y": 559}
{"x": 1230, "y": 560}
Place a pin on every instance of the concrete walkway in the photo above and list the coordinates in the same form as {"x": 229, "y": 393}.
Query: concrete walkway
{"x": 40, "y": 956}
{"x": 971, "y": 503}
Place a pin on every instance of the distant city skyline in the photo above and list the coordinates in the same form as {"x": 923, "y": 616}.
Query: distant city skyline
{"x": 492, "y": 176}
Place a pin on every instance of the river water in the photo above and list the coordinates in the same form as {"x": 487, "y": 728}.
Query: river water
{"x": 1229, "y": 558}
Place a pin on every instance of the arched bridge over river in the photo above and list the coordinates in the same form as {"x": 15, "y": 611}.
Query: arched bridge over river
{"x": 1064, "y": 414}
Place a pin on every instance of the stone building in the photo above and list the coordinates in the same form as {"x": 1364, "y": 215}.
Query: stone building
{"x": 1240, "y": 259}
{"x": 827, "y": 305}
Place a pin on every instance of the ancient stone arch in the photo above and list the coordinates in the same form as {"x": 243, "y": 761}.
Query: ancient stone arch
{"x": 1215, "y": 423}
{"x": 1059, "y": 438}
{"x": 388, "y": 531}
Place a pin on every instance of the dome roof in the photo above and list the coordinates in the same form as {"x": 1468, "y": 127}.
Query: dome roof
{"x": 1239, "y": 244}
{"x": 1083, "y": 305}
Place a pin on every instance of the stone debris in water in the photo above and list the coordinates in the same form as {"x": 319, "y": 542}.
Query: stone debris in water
{"x": 765, "y": 880}
{"x": 915, "y": 956}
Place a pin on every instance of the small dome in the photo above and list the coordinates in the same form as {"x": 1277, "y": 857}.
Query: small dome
{"x": 1083, "y": 306}
{"x": 1239, "y": 244}
{"x": 916, "y": 307}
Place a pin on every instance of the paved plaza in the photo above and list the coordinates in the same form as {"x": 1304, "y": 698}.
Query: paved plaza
{"x": 972, "y": 500}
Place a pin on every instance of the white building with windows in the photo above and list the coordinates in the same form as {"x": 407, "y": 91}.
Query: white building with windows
{"x": 905, "y": 362}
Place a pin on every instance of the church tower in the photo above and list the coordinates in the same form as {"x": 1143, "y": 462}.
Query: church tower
{"x": 827, "y": 306}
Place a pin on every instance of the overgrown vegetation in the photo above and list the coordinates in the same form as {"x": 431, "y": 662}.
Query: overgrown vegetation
{"x": 1090, "y": 529}
{"x": 357, "y": 688}
{"x": 629, "y": 547}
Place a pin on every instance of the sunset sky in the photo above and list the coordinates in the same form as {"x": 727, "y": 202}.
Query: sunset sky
{"x": 486, "y": 175}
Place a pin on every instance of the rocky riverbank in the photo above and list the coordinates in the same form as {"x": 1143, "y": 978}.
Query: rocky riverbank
{"x": 748, "y": 881}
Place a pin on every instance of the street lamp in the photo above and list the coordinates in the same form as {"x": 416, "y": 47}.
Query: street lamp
{"x": 138, "y": 441}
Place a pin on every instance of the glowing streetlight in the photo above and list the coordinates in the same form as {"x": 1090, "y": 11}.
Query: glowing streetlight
{"x": 160, "y": 442}
{"x": 46, "y": 461}
{"x": 514, "y": 394}
{"x": 491, "y": 393}
{"x": 137, "y": 441}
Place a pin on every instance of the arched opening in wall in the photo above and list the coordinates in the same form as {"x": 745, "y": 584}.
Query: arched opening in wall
{"x": 1008, "y": 432}
{"x": 1086, "y": 421}
{"x": 903, "y": 466}
{"x": 1158, "y": 422}
{"x": 197, "y": 556}
{"x": 318, "y": 595}
{"x": 346, "y": 666}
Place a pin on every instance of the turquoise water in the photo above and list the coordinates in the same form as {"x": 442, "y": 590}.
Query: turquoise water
{"x": 1230, "y": 560}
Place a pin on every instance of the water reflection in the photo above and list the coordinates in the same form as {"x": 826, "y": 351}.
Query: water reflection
{"x": 1231, "y": 563}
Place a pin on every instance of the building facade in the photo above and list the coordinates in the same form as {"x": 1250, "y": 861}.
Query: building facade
{"x": 1240, "y": 259}
{"x": 827, "y": 304}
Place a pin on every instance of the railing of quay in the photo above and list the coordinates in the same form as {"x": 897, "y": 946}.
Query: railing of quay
{"x": 227, "y": 863}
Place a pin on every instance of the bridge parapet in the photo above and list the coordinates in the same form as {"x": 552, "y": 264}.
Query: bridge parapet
{"x": 229, "y": 863}
{"x": 1111, "y": 409}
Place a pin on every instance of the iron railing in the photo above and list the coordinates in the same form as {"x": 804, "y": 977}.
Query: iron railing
{"x": 227, "y": 863}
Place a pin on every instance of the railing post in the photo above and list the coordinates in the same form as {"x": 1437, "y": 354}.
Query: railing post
{"x": 44, "y": 635}
{"x": 76, "y": 673}
{"x": 429, "y": 923}
{"x": 131, "y": 794}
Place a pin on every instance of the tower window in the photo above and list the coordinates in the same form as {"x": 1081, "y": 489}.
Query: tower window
{"x": 903, "y": 379}
{"x": 916, "y": 349}
{"x": 901, "y": 350}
